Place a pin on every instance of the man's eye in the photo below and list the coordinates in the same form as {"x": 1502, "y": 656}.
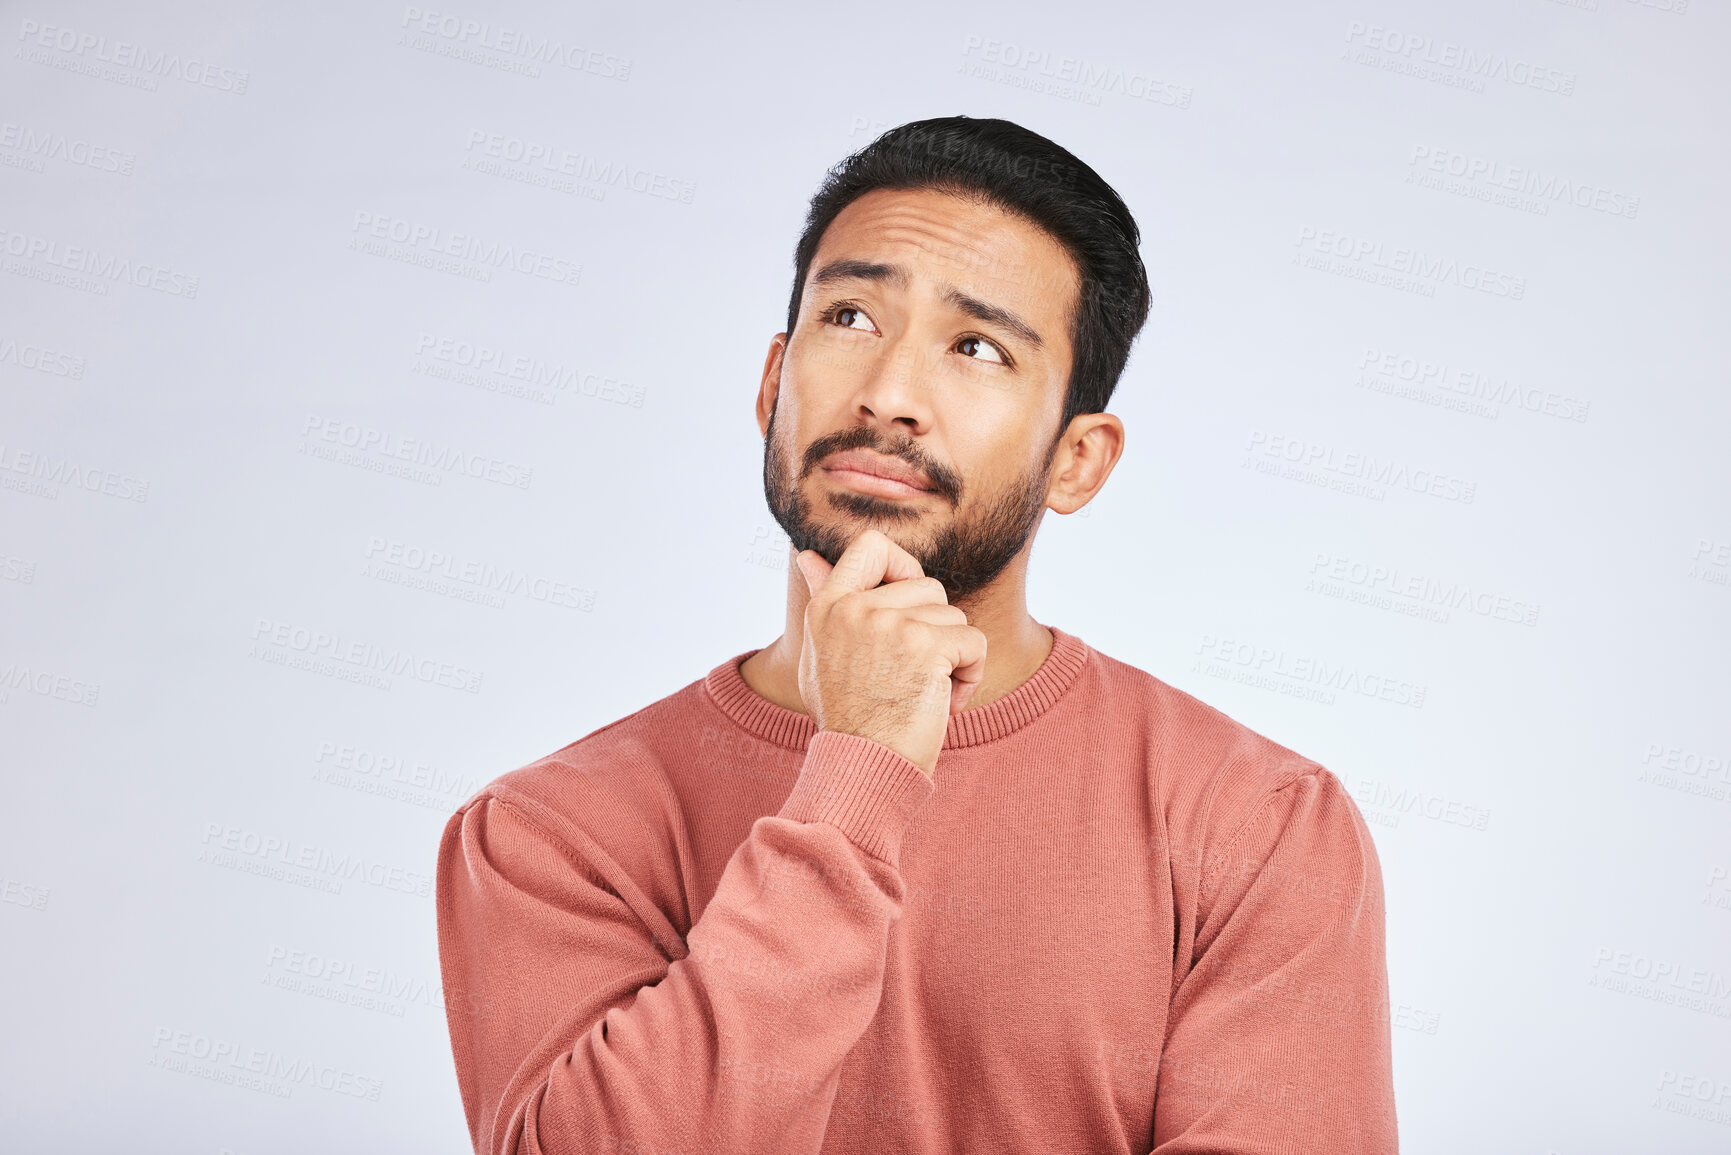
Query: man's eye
{"x": 980, "y": 350}
{"x": 849, "y": 317}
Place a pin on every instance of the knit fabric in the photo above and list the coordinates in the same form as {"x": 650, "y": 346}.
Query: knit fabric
{"x": 1113, "y": 920}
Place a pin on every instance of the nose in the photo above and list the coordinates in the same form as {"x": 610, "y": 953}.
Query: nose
{"x": 894, "y": 392}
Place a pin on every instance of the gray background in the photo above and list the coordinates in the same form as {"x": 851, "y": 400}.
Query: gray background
{"x": 202, "y": 302}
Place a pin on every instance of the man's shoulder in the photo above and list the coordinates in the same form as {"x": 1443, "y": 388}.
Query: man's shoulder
{"x": 1198, "y": 756}
{"x": 609, "y": 787}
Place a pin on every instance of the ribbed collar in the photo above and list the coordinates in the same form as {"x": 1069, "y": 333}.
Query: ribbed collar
{"x": 784, "y": 727}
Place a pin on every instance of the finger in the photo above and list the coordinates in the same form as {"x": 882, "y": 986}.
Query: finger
{"x": 814, "y": 568}
{"x": 869, "y": 560}
{"x": 934, "y": 615}
{"x": 965, "y": 649}
{"x": 906, "y": 594}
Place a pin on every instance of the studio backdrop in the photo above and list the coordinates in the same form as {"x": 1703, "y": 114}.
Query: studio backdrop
{"x": 376, "y": 417}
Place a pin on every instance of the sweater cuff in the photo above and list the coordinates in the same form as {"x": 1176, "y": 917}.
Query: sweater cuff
{"x": 860, "y": 786}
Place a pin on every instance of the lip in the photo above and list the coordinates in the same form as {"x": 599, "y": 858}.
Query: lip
{"x": 875, "y": 473}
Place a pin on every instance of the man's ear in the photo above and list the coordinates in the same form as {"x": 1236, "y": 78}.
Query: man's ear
{"x": 1086, "y": 454}
{"x": 770, "y": 386}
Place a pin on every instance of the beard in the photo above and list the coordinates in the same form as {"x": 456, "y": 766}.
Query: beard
{"x": 966, "y": 554}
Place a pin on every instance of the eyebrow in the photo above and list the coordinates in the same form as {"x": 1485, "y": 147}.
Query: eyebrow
{"x": 856, "y": 270}
{"x": 993, "y": 315}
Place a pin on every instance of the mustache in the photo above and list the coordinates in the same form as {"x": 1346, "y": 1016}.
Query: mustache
{"x": 944, "y": 480}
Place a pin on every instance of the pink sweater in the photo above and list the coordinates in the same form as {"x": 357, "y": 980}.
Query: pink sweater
{"x": 1114, "y": 921}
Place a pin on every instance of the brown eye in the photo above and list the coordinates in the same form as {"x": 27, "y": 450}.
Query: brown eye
{"x": 850, "y": 317}
{"x": 979, "y": 350}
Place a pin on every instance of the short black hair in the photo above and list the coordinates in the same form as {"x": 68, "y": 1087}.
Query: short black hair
{"x": 1024, "y": 173}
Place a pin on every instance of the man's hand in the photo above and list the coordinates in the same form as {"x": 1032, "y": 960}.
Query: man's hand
{"x": 890, "y": 661}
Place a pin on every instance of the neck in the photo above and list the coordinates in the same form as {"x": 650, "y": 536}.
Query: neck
{"x": 1016, "y": 644}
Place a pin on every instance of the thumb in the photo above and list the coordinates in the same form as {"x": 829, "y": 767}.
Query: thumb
{"x": 814, "y": 568}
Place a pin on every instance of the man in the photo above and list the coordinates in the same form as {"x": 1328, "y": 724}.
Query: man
{"x": 924, "y": 874}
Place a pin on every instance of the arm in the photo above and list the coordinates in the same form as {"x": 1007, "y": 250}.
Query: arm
{"x": 1279, "y": 1033}
{"x": 576, "y": 1028}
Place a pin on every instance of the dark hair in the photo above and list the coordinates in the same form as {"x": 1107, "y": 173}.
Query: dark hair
{"x": 1024, "y": 173}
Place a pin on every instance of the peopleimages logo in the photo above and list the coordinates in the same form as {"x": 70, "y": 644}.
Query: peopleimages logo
{"x": 394, "y": 448}
{"x": 1422, "y": 55}
{"x": 1351, "y": 471}
{"x": 323, "y": 864}
{"x": 78, "y": 49}
{"x": 1493, "y": 176}
{"x": 1366, "y": 258}
{"x": 81, "y": 262}
{"x": 43, "y": 145}
{"x": 258, "y": 1068}
{"x": 284, "y": 643}
{"x": 429, "y": 241}
{"x": 583, "y": 167}
{"x": 527, "y": 49}
{"x": 48, "y": 473}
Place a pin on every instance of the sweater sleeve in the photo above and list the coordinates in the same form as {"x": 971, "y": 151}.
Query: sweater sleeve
{"x": 1278, "y": 1039}
{"x": 576, "y": 1028}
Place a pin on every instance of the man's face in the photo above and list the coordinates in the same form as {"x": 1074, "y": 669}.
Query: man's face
{"x": 921, "y": 387}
